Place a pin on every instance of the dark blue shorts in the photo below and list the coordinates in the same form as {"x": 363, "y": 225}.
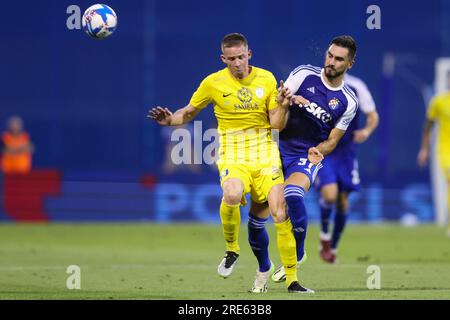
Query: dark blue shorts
{"x": 340, "y": 170}
{"x": 300, "y": 163}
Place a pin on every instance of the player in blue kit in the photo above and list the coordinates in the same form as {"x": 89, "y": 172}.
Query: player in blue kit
{"x": 322, "y": 108}
{"x": 339, "y": 175}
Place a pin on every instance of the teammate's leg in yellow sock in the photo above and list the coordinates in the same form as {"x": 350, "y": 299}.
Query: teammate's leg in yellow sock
{"x": 448, "y": 209}
{"x": 231, "y": 220}
{"x": 287, "y": 249}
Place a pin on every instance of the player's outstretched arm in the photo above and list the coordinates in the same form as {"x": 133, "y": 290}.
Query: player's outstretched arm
{"x": 165, "y": 117}
{"x": 328, "y": 145}
{"x": 372, "y": 120}
{"x": 278, "y": 116}
{"x": 424, "y": 152}
{"x": 299, "y": 100}
{"x": 314, "y": 155}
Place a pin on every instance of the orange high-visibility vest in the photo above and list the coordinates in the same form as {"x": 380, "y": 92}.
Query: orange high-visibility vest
{"x": 16, "y": 163}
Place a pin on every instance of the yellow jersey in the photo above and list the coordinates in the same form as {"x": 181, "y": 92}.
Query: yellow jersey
{"x": 241, "y": 107}
{"x": 439, "y": 111}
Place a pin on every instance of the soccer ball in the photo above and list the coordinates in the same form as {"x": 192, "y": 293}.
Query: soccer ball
{"x": 99, "y": 21}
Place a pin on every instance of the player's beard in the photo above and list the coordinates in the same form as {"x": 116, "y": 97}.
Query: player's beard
{"x": 332, "y": 73}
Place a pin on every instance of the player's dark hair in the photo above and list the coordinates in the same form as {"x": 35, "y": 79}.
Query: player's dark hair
{"x": 346, "y": 42}
{"x": 232, "y": 40}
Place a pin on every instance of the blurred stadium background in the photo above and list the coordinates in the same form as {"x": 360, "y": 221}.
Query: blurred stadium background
{"x": 84, "y": 102}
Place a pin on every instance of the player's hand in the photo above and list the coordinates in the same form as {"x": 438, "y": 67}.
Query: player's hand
{"x": 300, "y": 101}
{"x": 359, "y": 136}
{"x": 422, "y": 157}
{"x": 284, "y": 95}
{"x": 161, "y": 115}
{"x": 314, "y": 155}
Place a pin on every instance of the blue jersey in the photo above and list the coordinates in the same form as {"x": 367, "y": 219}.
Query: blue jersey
{"x": 329, "y": 108}
{"x": 341, "y": 165}
{"x": 346, "y": 146}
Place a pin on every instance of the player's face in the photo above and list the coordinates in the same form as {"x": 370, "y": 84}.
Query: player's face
{"x": 337, "y": 61}
{"x": 236, "y": 58}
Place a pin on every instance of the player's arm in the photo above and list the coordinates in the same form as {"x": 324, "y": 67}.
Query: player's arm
{"x": 325, "y": 147}
{"x": 367, "y": 105}
{"x": 285, "y": 98}
{"x": 278, "y": 116}
{"x": 283, "y": 111}
{"x": 372, "y": 120}
{"x": 199, "y": 100}
{"x": 424, "y": 152}
{"x": 338, "y": 131}
{"x": 165, "y": 117}
{"x": 432, "y": 115}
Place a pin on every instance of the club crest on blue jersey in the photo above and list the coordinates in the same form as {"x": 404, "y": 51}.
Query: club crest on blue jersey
{"x": 333, "y": 103}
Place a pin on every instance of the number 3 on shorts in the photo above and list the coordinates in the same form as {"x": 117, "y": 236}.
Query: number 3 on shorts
{"x": 302, "y": 162}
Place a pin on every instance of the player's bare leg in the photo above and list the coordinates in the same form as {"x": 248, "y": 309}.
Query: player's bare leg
{"x": 233, "y": 189}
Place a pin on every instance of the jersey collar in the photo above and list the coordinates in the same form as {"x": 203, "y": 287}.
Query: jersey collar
{"x": 327, "y": 85}
{"x": 248, "y": 79}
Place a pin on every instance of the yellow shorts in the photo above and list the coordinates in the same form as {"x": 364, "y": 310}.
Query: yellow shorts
{"x": 446, "y": 170}
{"x": 258, "y": 179}
{"x": 444, "y": 162}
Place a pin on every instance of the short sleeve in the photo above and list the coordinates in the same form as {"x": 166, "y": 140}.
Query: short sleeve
{"x": 433, "y": 109}
{"x": 348, "y": 115}
{"x": 202, "y": 96}
{"x": 297, "y": 76}
{"x": 365, "y": 99}
{"x": 272, "y": 98}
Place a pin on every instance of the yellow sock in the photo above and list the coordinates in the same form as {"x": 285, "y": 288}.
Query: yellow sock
{"x": 231, "y": 221}
{"x": 448, "y": 209}
{"x": 448, "y": 200}
{"x": 287, "y": 249}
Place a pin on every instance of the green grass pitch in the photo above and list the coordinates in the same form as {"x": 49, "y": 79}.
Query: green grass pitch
{"x": 179, "y": 261}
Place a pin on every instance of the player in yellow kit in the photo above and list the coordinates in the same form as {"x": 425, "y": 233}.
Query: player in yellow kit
{"x": 247, "y": 105}
{"x": 438, "y": 111}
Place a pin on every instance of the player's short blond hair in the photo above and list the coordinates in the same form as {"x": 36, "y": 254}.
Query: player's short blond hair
{"x": 232, "y": 40}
